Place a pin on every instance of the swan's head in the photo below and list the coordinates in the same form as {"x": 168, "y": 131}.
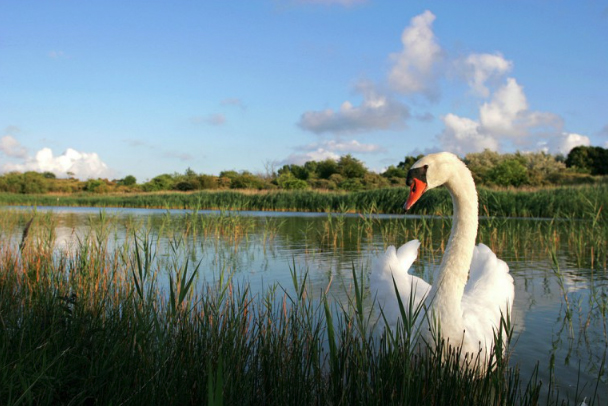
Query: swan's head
{"x": 430, "y": 172}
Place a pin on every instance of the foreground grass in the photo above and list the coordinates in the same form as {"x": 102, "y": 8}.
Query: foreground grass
{"x": 101, "y": 325}
{"x": 580, "y": 202}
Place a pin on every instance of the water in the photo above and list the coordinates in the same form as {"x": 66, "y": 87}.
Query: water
{"x": 559, "y": 313}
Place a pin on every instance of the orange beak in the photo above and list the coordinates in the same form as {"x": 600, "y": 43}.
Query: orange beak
{"x": 416, "y": 190}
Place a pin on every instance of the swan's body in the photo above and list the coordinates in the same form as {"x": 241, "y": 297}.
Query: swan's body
{"x": 473, "y": 288}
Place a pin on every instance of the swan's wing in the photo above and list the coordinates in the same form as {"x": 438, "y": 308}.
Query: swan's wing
{"x": 487, "y": 295}
{"x": 395, "y": 264}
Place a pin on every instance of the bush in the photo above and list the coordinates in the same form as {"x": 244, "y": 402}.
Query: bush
{"x": 289, "y": 182}
{"x": 508, "y": 173}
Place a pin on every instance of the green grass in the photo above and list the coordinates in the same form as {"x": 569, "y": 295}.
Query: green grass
{"x": 92, "y": 325}
{"x": 551, "y": 202}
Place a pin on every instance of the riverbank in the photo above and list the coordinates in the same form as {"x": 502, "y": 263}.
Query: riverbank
{"x": 579, "y": 202}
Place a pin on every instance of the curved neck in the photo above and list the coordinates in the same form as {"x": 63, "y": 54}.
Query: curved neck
{"x": 446, "y": 293}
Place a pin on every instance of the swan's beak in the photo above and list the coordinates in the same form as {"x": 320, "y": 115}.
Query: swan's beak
{"x": 417, "y": 188}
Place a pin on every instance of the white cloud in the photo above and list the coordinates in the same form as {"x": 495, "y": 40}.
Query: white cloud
{"x": 478, "y": 69}
{"x": 11, "y": 147}
{"x": 507, "y": 115}
{"x": 504, "y": 121}
{"x": 376, "y": 112}
{"x": 564, "y": 142}
{"x": 331, "y": 149}
{"x": 461, "y": 135}
{"x": 414, "y": 67}
{"x": 82, "y": 164}
{"x": 499, "y": 116}
{"x": 320, "y": 154}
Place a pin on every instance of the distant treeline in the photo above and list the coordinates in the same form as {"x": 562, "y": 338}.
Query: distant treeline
{"x": 582, "y": 165}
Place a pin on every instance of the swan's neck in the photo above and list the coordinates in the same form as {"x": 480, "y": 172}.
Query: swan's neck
{"x": 447, "y": 291}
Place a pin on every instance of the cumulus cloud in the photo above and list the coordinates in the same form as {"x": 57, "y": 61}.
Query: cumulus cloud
{"x": 331, "y": 149}
{"x": 479, "y": 69}
{"x": 11, "y": 147}
{"x": 462, "y": 135}
{"x": 83, "y": 165}
{"x": 414, "y": 69}
{"x": 376, "y": 112}
{"x": 564, "y": 142}
{"x": 507, "y": 114}
{"x": 503, "y": 120}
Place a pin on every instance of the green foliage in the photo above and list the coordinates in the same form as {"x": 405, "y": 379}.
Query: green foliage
{"x": 593, "y": 160}
{"x": 246, "y": 180}
{"x": 288, "y": 181}
{"x": 160, "y": 182}
{"x": 128, "y": 180}
{"x": 395, "y": 172}
{"x": 89, "y": 325}
{"x": 407, "y": 163}
{"x": 297, "y": 171}
{"x": 229, "y": 174}
{"x": 95, "y": 186}
{"x": 509, "y": 172}
{"x": 586, "y": 165}
{"x": 325, "y": 169}
{"x": 531, "y": 168}
{"x": 350, "y": 167}
{"x": 351, "y": 185}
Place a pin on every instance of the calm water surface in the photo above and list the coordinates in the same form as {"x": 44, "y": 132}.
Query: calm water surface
{"x": 559, "y": 313}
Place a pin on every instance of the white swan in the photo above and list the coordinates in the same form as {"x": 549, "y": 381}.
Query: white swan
{"x": 473, "y": 288}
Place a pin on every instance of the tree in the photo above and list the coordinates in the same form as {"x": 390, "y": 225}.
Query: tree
{"x": 541, "y": 167}
{"x": 350, "y": 167}
{"x": 395, "y": 172}
{"x": 299, "y": 172}
{"x": 481, "y": 163}
{"x": 509, "y": 172}
{"x": 160, "y": 182}
{"x": 593, "y": 160}
{"x": 229, "y": 174}
{"x": 34, "y": 182}
{"x": 128, "y": 180}
{"x": 289, "y": 182}
{"x": 326, "y": 168}
{"x": 246, "y": 180}
{"x": 407, "y": 163}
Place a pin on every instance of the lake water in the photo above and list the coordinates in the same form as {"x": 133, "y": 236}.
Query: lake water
{"x": 559, "y": 313}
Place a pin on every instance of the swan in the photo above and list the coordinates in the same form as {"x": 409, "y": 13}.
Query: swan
{"x": 473, "y": 288}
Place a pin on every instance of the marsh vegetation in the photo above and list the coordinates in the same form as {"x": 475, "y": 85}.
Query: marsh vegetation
{"x": 193, "y": 307}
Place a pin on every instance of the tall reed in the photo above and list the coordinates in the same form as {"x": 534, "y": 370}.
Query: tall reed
{"x": 549, "y": 202}
{"x": 91, "y": 324}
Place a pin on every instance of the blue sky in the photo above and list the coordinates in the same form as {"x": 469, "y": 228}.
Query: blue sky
{"x": 112, "y": 88}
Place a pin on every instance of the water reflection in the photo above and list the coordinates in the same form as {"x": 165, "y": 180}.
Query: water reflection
{"x": 561, "y": 300}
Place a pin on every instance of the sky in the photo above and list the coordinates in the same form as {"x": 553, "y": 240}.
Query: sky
{"x": 106, "y": 89}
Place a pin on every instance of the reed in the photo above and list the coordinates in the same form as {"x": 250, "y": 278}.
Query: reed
{"x": 96, "y": 324}
{"x": 575, "y": 202}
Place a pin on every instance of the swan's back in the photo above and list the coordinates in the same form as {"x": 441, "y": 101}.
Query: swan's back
{"x": 395, "y": 264}
{"x": 488, "y": 295}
